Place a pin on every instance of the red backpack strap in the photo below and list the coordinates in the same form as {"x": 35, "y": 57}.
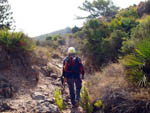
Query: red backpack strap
{"x": 65, "y": 64}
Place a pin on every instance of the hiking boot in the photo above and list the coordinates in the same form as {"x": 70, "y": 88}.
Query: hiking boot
{"x": 77, "y": 103}
{"x": 74, "y": 106}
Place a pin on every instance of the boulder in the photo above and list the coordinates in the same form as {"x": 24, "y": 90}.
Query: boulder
{"x": 46, "y": 107}
{"x": 46, "y": 71}
{"x": 54, "y": 75}
{"x": 37, "y": 96}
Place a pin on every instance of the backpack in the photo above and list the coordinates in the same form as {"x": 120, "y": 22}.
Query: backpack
{"x": 72, "y": 65}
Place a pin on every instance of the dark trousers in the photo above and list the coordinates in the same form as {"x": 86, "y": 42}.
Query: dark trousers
{"x": 78, "y": 84}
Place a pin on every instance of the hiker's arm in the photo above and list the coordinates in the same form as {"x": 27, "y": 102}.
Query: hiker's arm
{"x": 82, "y": 69}
{"x": 64, "y": 71}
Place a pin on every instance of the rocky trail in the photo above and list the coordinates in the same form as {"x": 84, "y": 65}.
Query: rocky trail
{"x": 41, "y": 98}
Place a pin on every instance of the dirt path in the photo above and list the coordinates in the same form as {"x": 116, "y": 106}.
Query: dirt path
{"x": 41, "y": 98}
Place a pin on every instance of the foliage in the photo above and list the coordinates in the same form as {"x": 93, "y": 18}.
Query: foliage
{"x": 138, "y": 33}
{"x": 49, "y": 38}
{"x": 85, "y": 100}
{"x": 61, "y": 42}
{"x": 115, "y": 41}
{"x": 6, "y": 19}
{"x": 59, "y": 100}
{"x": 125, "y": 20}
{"x": 54, "y": 41}
{"x": 56, "y": 37}
{"x": 98, "y": 104}
{"x": 99, "y": 8}
{"x": 123, "y": 23}
{"x": 95, "y": 32}
{"x": 142, "y": 30}
{"x": 99, "y": 43}
{"x": 129, "y": 12}
{"x": 15, "y": 41}
{"x": 136, "y": 49}
{"x": 138, "y": 63}
{"x": 75, "y": 29}
{"x": 104, "y": 41}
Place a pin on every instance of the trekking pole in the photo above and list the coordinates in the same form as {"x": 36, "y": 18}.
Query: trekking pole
{"x": 63, "y": 84}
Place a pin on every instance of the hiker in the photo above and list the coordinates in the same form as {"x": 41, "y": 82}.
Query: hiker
{"x": 72, "y": 69}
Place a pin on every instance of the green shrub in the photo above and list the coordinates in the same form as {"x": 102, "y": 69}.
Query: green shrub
{"x": 123, "y": 23}
{"x": 15, "y": 41}
{"x": 125, "y": 20}
{"x": 138, "y": 63}
{"x": 95, "y": 32}
{"x": 85, "y": 100}
{"x": 53, "y": 41}
{"x": 115, "y": 40}
{"x": 142, "y": 30}
{"x": 61, "y": 42}
{"x": 138, "y": 33}
{"x": 59, "y": 100}
{"x": 56, "y": 37}
{"x": 98, "y": 106}
{"x": 129, "y": 12}
{"x": 49, "y": 38}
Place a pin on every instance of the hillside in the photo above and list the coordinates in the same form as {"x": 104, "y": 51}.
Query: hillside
{"x": 61, "y": 32}
{"x": 115, "y": 54}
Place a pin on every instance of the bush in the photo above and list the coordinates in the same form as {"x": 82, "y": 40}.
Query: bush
{"x": 49, "y": 38}
{"x": 59, "y": 100}
{"x": 115, "y": 40}
{"x": 138, "y": 33}
{"x": 15, "y": 41}
{"x": 125, "y": 20}
{"x": 129, "y": 12}
{"x": 85, "y": 101}
{"x": 138, "y": 63}
{"x": 123, "y": 23}
{"x": 53, "y": 41}
{"x": 142, "y": 30}
{"x": 98, "y": 105}
{"x": 61, "y": 42}
{"x": 95, "y": 32}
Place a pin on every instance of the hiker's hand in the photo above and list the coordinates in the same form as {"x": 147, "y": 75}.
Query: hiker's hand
{"x": 65, "y": 80}
{"x": 82, "y": 77}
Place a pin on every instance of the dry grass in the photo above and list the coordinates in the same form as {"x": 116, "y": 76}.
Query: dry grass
{"x": 140, "y": 94}
{"x": 111, "y": 77}
{"x": 46, "y": 57}
{"x": 117, "y": 94}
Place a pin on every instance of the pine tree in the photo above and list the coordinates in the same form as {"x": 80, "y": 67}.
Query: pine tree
{"x": 6, "y": 19}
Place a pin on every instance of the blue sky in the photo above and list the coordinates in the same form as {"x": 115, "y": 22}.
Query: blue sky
{"x": 36, "y": 17}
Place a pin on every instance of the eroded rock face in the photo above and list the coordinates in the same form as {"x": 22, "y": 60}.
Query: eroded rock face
{"x": 6, "y": 89}
{"x": 4, "y": 59}
{"x": 23, "y": 75}
{"x": 4, "y": 107}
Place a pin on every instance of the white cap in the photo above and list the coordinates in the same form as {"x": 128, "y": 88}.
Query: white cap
{"x": 71, "y": 50}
